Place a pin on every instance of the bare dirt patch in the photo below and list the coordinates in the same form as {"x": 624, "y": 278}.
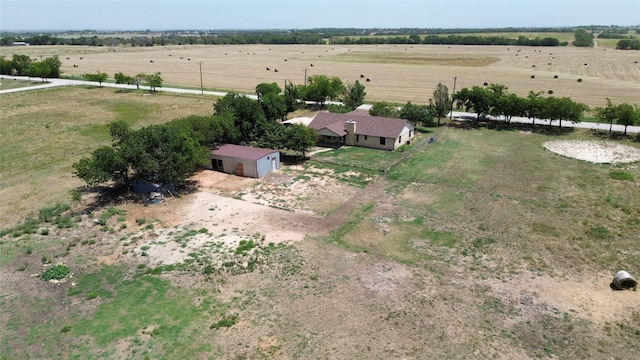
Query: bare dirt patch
{"x": 226, "y": 209}
{"x": 599, "y": 152}
{"x": 589, "y": 298}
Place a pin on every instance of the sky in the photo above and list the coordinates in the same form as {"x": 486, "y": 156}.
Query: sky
{"x": 105, "y": 15}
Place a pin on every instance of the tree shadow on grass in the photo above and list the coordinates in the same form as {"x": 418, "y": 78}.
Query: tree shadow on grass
{"x": 614, "y": 135}
{"x": 116, "y": 195}
{"x": 536, "y": 129}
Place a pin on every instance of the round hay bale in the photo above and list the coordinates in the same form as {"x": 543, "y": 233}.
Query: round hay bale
{"x": 623, "y": 280}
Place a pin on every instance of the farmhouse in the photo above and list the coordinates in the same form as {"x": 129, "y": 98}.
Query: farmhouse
{"x": 244, "y": 160}
{"x": 358, "y": 128}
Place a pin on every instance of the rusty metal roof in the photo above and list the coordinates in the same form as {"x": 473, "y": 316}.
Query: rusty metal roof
{"x": 243, "y": 152}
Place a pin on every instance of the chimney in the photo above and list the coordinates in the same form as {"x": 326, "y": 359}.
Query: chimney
{"x": 350, "y": 138}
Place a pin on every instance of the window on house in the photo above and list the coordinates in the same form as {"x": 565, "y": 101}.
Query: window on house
{"x": 365, "y": 137}
{"x": 400, "y": 139}
{"x": 357, "y": 137}
{"x": 383, "y": 141}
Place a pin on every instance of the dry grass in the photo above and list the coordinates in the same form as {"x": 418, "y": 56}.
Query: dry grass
{"x": 398, "y": 73}
{"x": 42, "y": 135}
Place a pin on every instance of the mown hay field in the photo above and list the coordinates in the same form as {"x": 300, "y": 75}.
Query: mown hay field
{"x": 396, "y": 73}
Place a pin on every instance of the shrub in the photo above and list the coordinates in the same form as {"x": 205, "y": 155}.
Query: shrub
{"x": 44, "y": 232}
{"x": 227, "y": 322}
{"x": 621, "y": 175}
{"x": 56, "y": 272}
{"x": 65, "y": 328}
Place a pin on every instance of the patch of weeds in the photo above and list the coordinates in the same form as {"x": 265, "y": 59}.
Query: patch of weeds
{"x": 92, "y": 294}
{"x": 244, "y": 247}
{"x": 44, "y": 232}
{"x": 109, "y": 213}
{"x": 56, "y": 272}
{"x": 141, "y": 221}
{"x": 599, "y": 232}
{"x": 65, "y": 329}
{"x": 480, "y": 242}
{"x": 50, "y": 214}
{"x": 63, "y": 222}
{"x": 145, "y": 247}
{"x": 442, "y": 238}
{"x": 226, "y": 322}
{"x": 621, "y": 175}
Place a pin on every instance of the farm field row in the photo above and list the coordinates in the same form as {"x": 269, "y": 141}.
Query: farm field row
{"x": 396, "y": 73}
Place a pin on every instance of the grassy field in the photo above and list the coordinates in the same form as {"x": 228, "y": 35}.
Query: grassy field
{"x": 44, "y": 132}
{"x": 397, "y": 73}
{"x": 479, "y": 245}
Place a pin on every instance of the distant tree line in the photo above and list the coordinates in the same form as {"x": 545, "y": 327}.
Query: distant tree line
{"x": 450, "y": 40}
{"x": 308, "y": 36}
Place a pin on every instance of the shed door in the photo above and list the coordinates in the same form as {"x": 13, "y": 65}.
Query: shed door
{"x": 239, "y": 169}
{"x": 274, "y": 165}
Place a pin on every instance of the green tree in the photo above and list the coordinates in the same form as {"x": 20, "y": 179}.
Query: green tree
{"x": 39, "y": 69}
{"x": 140, "y": 79}
{"x": 322, "y": 88}
{"x": 267, "y": 88}
{"x": 607, "y": 114}
{"x": 154, "y": 81}
{"x": 564, "y": 109}
{"x": 300, "y": 138}
{"x": 5, "y": 66}
{"x": 384, "y": 109}
{"x": 97, "y": 77}
{"x": 274, "y": 106}
{"x": 121, "y": 78}
{"x": 441, "y": 102}
{"x": 246, "y": 113}
{"x": 354, "y": 95}
{"x": 269, "y": 134}
{"x": 292, "y": 96}
{"x": 477, "y": 99}
{"x": 53, "y": 64}
{"x": 627, "y": 115}
{"x": 582, "y": 38}
{"x": 21, "y": 64}
{"x": 533, "y": 106}
{"x": 417, "y": 114}
{"x": 105, "y": 163}
{"x": 508, "y": 106}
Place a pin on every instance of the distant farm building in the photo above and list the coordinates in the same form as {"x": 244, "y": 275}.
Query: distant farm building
{"x": 20, "y": 43}
{"x": 244, "y": 160}
{"x": 358, "y": 128}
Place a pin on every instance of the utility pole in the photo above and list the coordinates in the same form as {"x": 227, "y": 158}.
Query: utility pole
{"x": 201, "y": 88}
{"x": 305, "y": 76}
{"x": 454, "y": 91}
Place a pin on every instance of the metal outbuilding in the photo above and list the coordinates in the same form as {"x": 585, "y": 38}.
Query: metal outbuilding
{"x": 244, "y": 160}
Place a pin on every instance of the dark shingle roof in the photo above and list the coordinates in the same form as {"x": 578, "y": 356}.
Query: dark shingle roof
{"x": 244, "y": 152}
{"x": 365, "y": 124}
